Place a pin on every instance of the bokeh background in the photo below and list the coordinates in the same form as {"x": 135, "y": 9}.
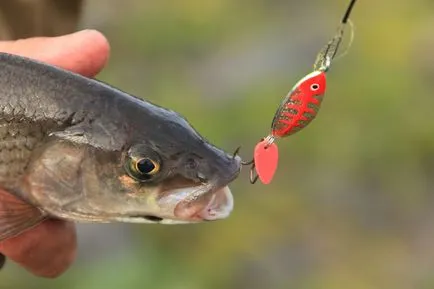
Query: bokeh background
{"x": 352, "y": 204}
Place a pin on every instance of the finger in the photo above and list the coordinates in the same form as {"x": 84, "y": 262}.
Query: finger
{"x": 46, "y": 250}
{"x": 85, "y": 52}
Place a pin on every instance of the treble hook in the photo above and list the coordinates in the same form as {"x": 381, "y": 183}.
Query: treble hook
{"x": 236, "y": 153}
{"x": 253, "y": 175}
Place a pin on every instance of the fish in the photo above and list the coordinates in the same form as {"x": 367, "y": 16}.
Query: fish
{"x": 78, "y": 149}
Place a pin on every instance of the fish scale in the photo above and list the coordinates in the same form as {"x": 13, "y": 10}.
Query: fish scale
{"x": 17, "y": 140}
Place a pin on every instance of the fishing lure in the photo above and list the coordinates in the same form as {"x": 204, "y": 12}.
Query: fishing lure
{"x": 298, "y": 108}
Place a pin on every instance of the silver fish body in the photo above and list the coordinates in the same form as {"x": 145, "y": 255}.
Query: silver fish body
{"x": 78, "y": 149}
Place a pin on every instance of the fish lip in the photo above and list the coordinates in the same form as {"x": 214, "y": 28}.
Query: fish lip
{"x": 209, "y": 203}
{"x": 214, "y": 210}
{"x": 206, "y": 202}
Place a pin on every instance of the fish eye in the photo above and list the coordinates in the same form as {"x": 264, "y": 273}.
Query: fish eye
{"x": 142, "y": 169}
{"x": 314, "y": 86}
{"x": 147, "y": 166}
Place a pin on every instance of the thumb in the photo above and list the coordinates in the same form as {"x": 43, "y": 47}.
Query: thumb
{"x": 85, "y": 52}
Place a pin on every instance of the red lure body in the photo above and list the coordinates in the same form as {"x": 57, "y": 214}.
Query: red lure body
{"x": 300, "y": 106}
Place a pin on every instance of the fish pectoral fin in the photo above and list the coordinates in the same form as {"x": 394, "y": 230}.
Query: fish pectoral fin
{"x": 96, "y": 134}
{"x": 74, "y": 134}
{"x": 16, "y": 216}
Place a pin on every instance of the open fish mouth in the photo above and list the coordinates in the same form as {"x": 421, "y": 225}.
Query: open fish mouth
{"x": 186, "y": 205}
{"x": 220, "y": 205}
{"x": 214, "y": 205}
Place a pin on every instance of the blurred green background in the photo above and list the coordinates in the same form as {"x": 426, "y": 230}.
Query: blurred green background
{"x": 352, "y": 203}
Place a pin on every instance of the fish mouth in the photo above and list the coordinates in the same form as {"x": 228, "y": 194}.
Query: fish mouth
{"x": 193, "y": 204}
{"x": 187, "y": 203}
{"x": 219, "y": 207}
{"x": 214, "y": 205}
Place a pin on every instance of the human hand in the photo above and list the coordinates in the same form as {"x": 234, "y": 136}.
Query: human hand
{"x": 48, "y": 249}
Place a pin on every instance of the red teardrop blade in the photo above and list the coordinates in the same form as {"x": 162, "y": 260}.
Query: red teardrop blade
{"x": 266, "y": 158}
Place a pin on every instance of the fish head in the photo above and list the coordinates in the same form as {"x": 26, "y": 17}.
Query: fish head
{"x": 165, "y": 173}
{"x": 178, "y": 184}
{"x": 175, "y": 175}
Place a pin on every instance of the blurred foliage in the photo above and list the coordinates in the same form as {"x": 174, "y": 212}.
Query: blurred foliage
{"x": 351, "y": 204}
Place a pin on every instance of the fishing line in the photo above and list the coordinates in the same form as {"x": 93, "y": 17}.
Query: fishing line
{"x": 348, "y": 12}
{"x": 328, "y": 52}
